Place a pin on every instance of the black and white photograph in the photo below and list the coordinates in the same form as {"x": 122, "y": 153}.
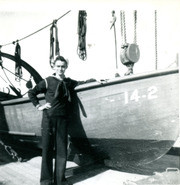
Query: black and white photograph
{"x": 89, "y": 92}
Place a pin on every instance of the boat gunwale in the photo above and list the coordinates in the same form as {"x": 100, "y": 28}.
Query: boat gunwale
{"x": 125, "y": 79}
{"x": 17, "y": 133}
{"x": 96, "y": 84}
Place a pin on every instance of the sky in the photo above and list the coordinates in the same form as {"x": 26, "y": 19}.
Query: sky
{"x": 21, "y": 18}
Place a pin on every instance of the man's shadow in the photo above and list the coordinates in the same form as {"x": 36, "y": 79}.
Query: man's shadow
{"x": 80, "y": 150}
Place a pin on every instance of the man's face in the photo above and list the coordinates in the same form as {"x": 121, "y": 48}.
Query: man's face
{"x": 60, "y": 67}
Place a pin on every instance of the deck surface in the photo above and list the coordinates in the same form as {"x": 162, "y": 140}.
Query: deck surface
{"x": 28, "y": 173}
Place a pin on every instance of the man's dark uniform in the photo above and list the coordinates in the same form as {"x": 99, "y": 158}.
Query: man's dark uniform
{"x": 54, "y": 126}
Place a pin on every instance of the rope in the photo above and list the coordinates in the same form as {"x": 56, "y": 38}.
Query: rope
{"x": 156, "y": 53}
{"x": 7, "y": 77}
{"x": 12, "y": 86}
{"x": 54, "y": 43}
{"x": 3, "y": 79}
{"x": 115, "y": 40}
{"x": 123, "y": 27}
{"x": 135, "y": 24}
{"x": 121, "y": 23}
{"x": 18, "y": 93}
{"x": 10, "y": 83}
{"x": 81, "y": 50}
{"x": 12, "y": 73}
{"x": 35, "y": 31}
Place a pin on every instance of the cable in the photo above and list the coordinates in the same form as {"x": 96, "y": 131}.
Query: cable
{"x": 156, "y": 50}
{"x": 3, "y": 79}
{"x": 34, "y": 32}
{"x": 18, "y": 93}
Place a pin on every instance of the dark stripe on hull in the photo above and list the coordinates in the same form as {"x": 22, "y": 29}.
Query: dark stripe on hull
{"x": 120, "y": 153}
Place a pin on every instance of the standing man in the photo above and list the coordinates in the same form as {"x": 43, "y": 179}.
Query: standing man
{"x": 57, "y": 89}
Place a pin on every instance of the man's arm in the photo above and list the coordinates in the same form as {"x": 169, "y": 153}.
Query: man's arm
{"x": 38, "y": 89}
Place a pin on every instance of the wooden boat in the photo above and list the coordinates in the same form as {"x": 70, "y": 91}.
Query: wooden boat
{"x": 131, "y": 120}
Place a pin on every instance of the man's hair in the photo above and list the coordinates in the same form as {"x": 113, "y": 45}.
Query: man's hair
{"x": 61, "y": 58}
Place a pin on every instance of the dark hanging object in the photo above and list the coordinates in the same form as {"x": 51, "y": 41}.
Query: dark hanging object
{"x": 81, "y": 50}
{"x": 18, "y": 66}
{"x": 29, "y": 84}
{"x": 54, "y": 43}
{"x": 130, "y": 53}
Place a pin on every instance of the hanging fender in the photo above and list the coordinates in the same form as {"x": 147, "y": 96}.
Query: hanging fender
{"x": 130, "y": 53}
{"x": 18, "y": 68}
{"x": 54, "y": 43}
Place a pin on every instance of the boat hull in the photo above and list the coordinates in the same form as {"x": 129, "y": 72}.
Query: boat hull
{"x": 126, "y": 121}
{"x": 131, "y": 122}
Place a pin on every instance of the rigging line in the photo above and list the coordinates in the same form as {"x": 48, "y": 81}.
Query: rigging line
{"x": 135, "y": 26}
{"x": 121, "y": 23}
{"x": 123, "y": 27}
{"x": 156, "y": 50}
{"x": 13, "y": 74}
{"x": 8, "y": 78}
{"x": 18, "y": 93}
{"x": 115, "y": 40}
{"x": 35, "y": 31}
{"x": 3, "y": 79}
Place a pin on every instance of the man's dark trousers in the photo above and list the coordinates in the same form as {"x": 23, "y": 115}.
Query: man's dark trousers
{"x": 54, "y": 138}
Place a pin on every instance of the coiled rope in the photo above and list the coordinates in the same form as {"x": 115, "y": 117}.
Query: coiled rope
{"x": 81, "y": 50}
{"x": 18, "y": 68}
{"x": 54, "y": 43}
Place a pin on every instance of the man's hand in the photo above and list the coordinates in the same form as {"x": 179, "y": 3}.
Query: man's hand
{"x": 42, "y": 107}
